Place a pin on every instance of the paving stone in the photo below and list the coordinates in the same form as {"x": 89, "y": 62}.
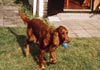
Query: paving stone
{"x": 9, "y": 17}
{"x": 98, "y": 16}
{"x": 96, "y": 35}
{"x": 1, "y": 22}
{"x": 10, "y": 13}
{"x": 76, "y": 27}
{"x": 1, "y": 1}
{"x": 81, "y": 24}
{"x": 92, "y": 32}
{"x": 53, "y": 18}
{"x": 10, "y": 8}
{"x": 96, "y": 24}
{"x": 78, "y": 24}
{"x": 81, "y": 33}
{"x": 98, "y": 28}
{"x": 89, "y": 27}
{"x": 72, "y": 35}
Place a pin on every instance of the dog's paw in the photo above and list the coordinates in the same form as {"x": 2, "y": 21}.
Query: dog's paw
{"x": 53, "y": 62}
{"x": 43, "y": 68}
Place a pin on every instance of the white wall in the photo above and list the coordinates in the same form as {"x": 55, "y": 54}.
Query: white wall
{"x": 38, "y": 7}
{"x": 41, "y": 8}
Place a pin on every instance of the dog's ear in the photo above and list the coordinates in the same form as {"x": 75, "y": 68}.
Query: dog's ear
{"x": 55, "y": 39}
{"x": 46, "y": 39}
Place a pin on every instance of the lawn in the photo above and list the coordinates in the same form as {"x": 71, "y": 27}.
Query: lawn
{"x": 82, "y": 53}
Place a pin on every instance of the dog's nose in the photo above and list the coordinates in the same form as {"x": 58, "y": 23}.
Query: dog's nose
{"x": 67, "y": 40}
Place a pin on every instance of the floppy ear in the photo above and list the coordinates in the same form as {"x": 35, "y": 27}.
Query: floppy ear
{"x": 46, "y": 40}
{"x": 55, "y": 39}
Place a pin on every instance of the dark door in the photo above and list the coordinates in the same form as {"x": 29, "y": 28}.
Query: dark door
{"x": 55, "y": 6}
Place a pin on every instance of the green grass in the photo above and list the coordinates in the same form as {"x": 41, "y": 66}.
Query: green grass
{"x": 82, "y": 53}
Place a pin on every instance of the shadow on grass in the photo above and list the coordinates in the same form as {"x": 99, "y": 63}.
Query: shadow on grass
{"x": 22, "y": 40}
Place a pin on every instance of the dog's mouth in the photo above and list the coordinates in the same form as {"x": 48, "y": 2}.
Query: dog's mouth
{"x": 67, "y": 40}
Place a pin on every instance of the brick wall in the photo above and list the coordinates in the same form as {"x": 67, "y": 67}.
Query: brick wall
{"x": 45, "y": 7}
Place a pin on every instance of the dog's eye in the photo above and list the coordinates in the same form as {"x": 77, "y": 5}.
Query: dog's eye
{"x": 66, "y": 32}
{"x": 62, "y": 33}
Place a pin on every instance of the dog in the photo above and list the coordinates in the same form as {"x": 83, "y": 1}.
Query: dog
{"x": 46, "y": 37}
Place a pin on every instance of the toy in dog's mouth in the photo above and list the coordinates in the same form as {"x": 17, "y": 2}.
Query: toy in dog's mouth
{"x": 65, "y": 45}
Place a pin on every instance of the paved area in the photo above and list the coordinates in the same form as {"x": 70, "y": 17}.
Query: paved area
{"x": 9, "y": 16}
{"x": 78, "y": 24}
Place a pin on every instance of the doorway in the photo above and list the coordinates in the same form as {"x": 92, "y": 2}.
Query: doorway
{"x": 77, "y": 5}
{"x": 55, "y": 6}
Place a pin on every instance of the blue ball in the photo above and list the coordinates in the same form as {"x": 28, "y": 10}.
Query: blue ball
{"x": 65, "y": 45}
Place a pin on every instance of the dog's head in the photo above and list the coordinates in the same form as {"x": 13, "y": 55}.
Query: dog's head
{"x": 63, "y": 34}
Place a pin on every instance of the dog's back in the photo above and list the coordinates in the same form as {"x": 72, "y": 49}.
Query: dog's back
{"x": 40, "y": 29}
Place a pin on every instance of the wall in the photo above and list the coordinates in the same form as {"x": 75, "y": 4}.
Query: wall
{"x": 39, "y": 7}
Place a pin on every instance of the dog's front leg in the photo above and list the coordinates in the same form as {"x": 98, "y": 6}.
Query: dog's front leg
{"x": 41, "y": 59}
{"x": 53, "y": 59}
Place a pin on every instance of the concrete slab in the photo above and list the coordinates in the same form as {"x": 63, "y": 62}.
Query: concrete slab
{"x": 1, "y": 22}
{"x": 9, "y": 17}
{"x": 81, "y": 33}
{"x": 10, "y": 7}
{"x": 80, "y": 24}
{"x": 53, "y": 18}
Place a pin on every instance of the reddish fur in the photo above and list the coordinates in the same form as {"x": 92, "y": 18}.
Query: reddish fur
{"x": 47, "y": 39}
{"x": 63, "y": 34}
{"x": 42, "y": 34}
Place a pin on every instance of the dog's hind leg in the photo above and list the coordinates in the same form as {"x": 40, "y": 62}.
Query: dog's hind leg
{"x": 31, "y": 38}
{"x": 41, "y": 59}
{"x": 27, "y": 49}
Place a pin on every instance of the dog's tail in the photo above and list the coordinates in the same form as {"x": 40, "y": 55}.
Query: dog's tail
{"x": 24, "y": 18}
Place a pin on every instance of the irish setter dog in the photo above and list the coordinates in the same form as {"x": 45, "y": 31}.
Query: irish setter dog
{"x": 46, "y": 37}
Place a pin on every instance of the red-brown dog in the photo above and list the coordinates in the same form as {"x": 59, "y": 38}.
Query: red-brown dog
{"x": 47, "y": 38}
